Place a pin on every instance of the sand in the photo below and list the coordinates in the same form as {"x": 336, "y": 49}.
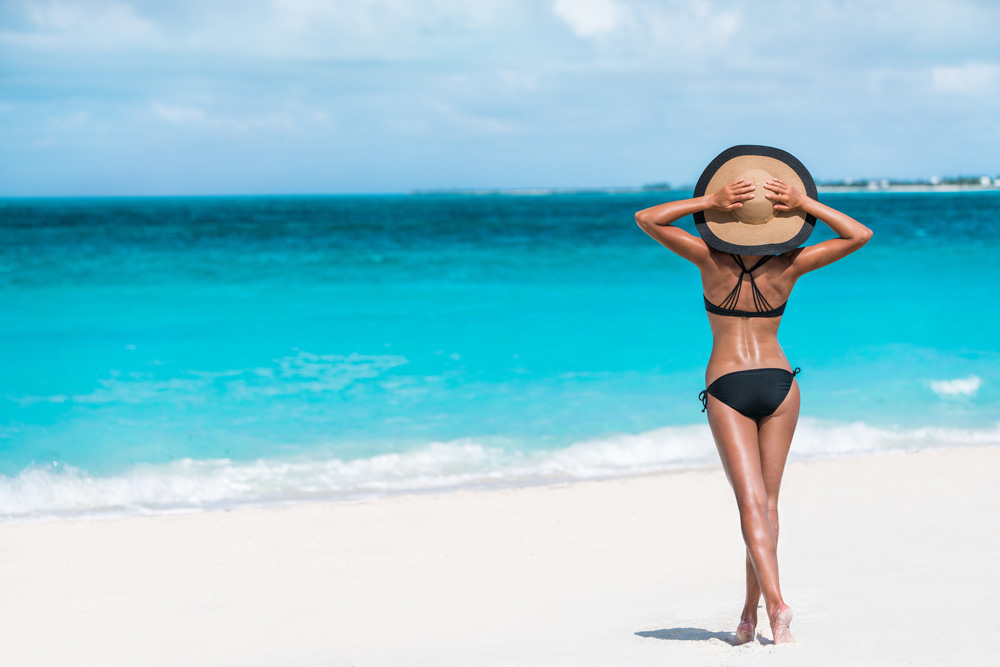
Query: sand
{"x": 886, "y": 560}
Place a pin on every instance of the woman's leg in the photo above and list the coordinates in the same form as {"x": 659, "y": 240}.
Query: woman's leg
{"x": 774, "y": 436}
{"x": 742, "y": 452}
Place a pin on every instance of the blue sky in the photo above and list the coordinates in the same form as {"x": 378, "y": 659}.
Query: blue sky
{"x": 310, "y": 96}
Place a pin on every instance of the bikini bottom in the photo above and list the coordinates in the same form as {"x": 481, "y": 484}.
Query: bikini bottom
{"x": 754, "y": 393}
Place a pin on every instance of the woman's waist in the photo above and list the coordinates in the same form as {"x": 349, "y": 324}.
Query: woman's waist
{"x": 725, "y": 361}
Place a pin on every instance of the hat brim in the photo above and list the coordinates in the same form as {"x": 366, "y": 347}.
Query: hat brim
{"x": 776, "y": 232}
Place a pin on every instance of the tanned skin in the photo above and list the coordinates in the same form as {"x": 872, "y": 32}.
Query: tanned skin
{"x": 753, "y": 454}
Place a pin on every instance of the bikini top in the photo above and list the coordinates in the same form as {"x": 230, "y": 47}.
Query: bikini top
{"x": 760, "y": 303}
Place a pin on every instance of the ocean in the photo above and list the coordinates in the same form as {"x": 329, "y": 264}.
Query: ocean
{"x": 181, "y": 354}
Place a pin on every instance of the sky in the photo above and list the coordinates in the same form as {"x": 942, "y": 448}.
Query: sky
{"x": 146, "y": 97}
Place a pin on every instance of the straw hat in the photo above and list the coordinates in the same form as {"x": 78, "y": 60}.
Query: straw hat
{"x": 756, "y": 228}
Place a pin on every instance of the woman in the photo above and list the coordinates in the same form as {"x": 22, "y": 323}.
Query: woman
{"x": 752, "y": 398}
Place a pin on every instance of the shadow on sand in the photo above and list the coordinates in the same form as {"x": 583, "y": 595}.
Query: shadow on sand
{"x": 693, "y": 635}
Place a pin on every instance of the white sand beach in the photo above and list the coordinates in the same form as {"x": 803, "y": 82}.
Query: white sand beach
{"x": 886, "y": 560}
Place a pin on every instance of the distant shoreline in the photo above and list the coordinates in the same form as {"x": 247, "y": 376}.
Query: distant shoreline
{"x": 7, "y": 199}
{"x": 538, "y": 192}
{"x": 908, "y": 188}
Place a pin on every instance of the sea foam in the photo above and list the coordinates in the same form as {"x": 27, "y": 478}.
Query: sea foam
{"x": 959, "y": 387}
{"x": 42, "y": 492}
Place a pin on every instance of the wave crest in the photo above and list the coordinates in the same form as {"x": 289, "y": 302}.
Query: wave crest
{"x": 189, "y": 485}
{"x": 959, "y": 387}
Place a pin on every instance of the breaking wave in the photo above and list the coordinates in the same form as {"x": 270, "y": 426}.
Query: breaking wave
{"x": 59, "y": 491}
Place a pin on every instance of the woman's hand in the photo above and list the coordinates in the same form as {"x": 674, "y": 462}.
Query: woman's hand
{"x": 732, "y": 196}
{"x": 785, "y": 197}
{"x": 852, "y": 233}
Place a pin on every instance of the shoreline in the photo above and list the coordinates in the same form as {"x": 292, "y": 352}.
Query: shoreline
{"x": 625, "y": 571}
{"x": 187, "y": 487}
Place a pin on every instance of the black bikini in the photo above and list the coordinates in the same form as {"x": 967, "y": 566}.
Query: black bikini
{"x": 756, "y": 392}
{"x": 760, "y": 303}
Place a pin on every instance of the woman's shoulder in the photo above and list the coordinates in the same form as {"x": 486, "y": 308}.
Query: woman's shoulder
{"x": 786, "y": 259}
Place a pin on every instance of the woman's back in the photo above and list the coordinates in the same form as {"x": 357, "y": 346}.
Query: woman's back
{"x": 745, "y": 298}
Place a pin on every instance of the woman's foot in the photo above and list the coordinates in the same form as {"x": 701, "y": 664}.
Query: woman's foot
{"x": 780, "y": 621}
{"x": 746, "y": 631}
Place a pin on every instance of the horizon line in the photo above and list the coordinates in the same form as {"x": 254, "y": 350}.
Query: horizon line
{"x": 847, "y": 185}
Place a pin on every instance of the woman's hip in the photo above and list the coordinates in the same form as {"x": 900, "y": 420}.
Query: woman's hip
{"x": 753, "y": 392}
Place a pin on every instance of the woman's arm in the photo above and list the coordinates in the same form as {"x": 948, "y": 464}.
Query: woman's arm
{"x": 657, "y": 221}
{"x": 852, "y": 233}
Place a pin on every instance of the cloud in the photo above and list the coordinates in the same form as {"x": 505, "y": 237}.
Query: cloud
{"x": 312, "y": 29}
{"x": 372, "y": 29}
{"x": 974, "y": 78}
{"x": 223, "y": 119}
{"x": 589, "y": 18}
{"x": 670, "y": 36}
{"x": 81, "y": 24}
{"x": 390, "y": 95}
{"x": 178, "y": 115}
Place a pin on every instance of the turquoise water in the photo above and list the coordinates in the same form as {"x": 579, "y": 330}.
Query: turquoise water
{"x": 195, "y": 352}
